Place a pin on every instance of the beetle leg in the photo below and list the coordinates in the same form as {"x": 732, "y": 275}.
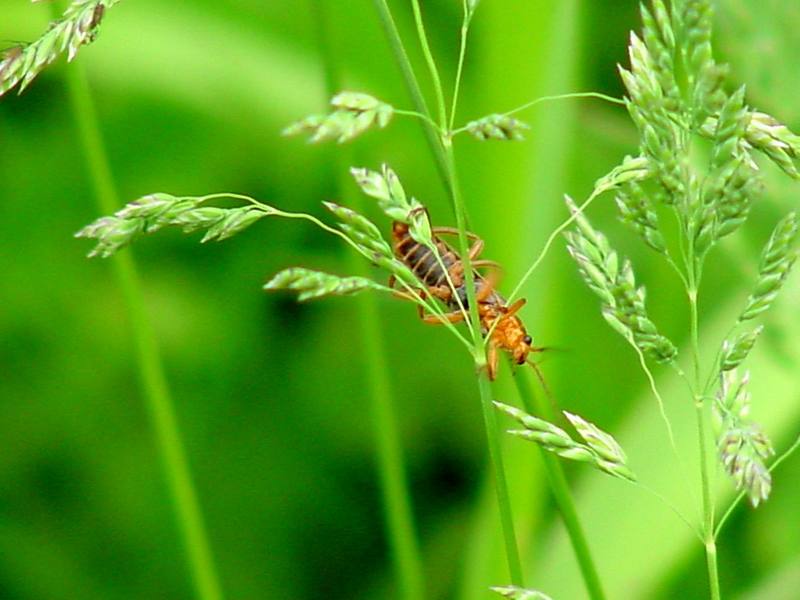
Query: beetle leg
{"x": 476, "y": 249}
{"x": 513, "y": 308}
{"x": 452, "y": 231}
{"x": 451, "y": 317}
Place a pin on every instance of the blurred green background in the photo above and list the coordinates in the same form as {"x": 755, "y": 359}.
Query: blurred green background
{"x": 270, "y": 395}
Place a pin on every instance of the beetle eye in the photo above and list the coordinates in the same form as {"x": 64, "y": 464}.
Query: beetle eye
{"x": 528, "y": 340}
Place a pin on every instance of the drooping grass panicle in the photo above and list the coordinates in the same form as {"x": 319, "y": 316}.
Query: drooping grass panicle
{"x": 513, "y": 592}
{"x": 777, "y": 260}
{"x": 154, "y": 211}
{"x": 613, "y": 281}
{"x": 78, "y": 26}
{"x": 366, "y": 236}
{"x": 742, "y": 445}
{"x": 353, "y": 114}
{"x": 601, "y": 450}
{"x": 315, "y": 284}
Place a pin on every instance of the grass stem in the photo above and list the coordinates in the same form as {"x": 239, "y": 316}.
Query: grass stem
{"x": 699, "y": 402}
{"x": 479, "y": 351}
{"x": 431, "y": 62}
{"x": 493, "y": 434}
{"x": 432, "y": 133}
{"x": 151, "y": 371}
{"x": 538, "y": 405}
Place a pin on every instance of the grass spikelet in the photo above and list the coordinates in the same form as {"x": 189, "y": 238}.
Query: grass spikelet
{"x": 735, "y": 352}
{"x": 386, "y": 188}
{"x": 660, "y": 40}
{"x": 782, "y": 146}
{"x": 361, "y": 230}
{"x": 152, "y": 212}
{"x": 636, "y": 210}
{"x": 732, "y": 183}
{"x": 353, "y": 114}
{"x": 659, "y": 136}
{"x": 315, "y": 284}
{"x": 704, "y": 75}
{"x": 623, "y": 303}
{"x": 601, "y": 450}
{"x": 78, "y": 27}
{"x": 631, "y": 170}
{"x": 741, "y": 444}
{"x": 497, "y": 127}
{"x": 777, "y": 260}
{"x": 513, "y": 592}
{"x": 610, "y": 456}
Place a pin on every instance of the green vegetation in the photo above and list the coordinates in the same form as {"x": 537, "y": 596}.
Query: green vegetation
{"x": 272, "y": 416}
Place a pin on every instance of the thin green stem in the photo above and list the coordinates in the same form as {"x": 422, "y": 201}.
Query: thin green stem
{"x": 708, "y": 503}
{"x": 493, "y": 434}
{"x": 740, "y": 496}
{"x": 418, "y": 115}
{"x": 398, "y": 513}
{"x": 432, "y": 134}
{"x": 538, "y": 405}
{"x": 661, "y": 406}
{"x": 698, "y": 534}
{"x": 550, "y": 240}
{"x": 391, "y": 464}
{"x": 462, "y": 51}
{"x": 443, "y": 151}
{"x": 431, "y": 62}
{"x": 151, "y": 371}
{"x": 536, "y": 101}
{"x": 479, "y": 353}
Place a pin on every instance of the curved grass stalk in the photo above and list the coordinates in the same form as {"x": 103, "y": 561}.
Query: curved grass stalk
{"x": 549, "y": 243}
{"x": 151, "y": 371}
{"x": 536, "y": 101}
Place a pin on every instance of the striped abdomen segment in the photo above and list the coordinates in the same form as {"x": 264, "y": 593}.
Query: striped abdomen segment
{"x": 421, "y": 259}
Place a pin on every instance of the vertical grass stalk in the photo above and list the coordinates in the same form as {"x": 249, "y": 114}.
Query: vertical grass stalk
{"x": 538, "y": 405}
{"x": 151, "y": 372}
{"x": 479, "y": 351}
{"x": 391, "y": 466}
{"x": 709, "y": 536}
